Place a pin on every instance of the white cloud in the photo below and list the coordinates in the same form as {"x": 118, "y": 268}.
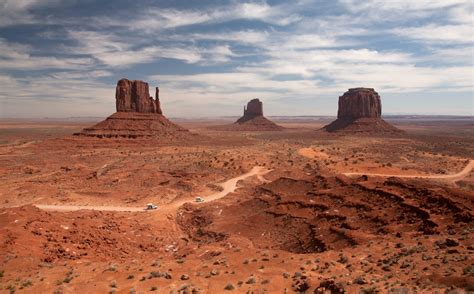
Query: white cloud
{"x": 13, "y": 12}
{"x": 22, "y": 5}
{"x": 158, "y": 19}
{"x": 69, "y": 75}
{"x": 434, "y": 33}
{"x": 462, "y": 13}
{"x": 293, "y": 55}
{"x": 54, "y": 97}
{"x": 112, "y": 51}
{"x": 19, "y": 57}
{"x": 401, "y": 5}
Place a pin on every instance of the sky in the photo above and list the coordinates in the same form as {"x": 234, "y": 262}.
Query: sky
{"x": 62, "y": 58}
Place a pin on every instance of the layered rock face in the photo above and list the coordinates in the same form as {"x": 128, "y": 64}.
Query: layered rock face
{"x": 134, "y": 96}
{"x": 254, "y": 108}
{"x": 360, "y": 111}
{"x": 252, "y": 120}
{"x": 138, "y": 116}
{"x": 359, "y": 102}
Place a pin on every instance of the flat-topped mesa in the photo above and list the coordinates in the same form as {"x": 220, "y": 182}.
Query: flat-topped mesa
{"x": 358, "y": 103}
{"x": 360, "y": 111}
{"x": 134, "y": 96}
{"x": 252, "y": 120}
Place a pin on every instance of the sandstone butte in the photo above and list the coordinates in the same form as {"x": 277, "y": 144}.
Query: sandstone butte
{"x": 252, "y": 120}
{"x": 137, "y": 115}
{"x": 360, "y": 111}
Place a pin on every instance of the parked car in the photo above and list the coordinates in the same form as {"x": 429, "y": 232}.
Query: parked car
{"x": 151, "y": 206}
{"x": 198, "y": 199}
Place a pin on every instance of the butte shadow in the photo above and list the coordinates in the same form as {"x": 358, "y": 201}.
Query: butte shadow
{"x": 138, "y": 116}
{"x": 360, "y": 111}
{"x": 252, "y": 120}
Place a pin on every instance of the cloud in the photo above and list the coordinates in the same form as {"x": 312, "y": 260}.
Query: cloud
{"x": 118, "y": 51}
{"x": 14, "y": 12}
{"x": 434, "y": 33}
{"x": 19, "y": 57}
{"x": 225, "y": 54}
{"x": 54, "y": 96}
{"x": 401, "y": 5}
{"x": 159, "y": 19}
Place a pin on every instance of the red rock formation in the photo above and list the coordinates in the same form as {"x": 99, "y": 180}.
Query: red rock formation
{"x": 138, "y": 116}
{"x": 254, "y": 108}
{"x": 252, "y": 120}
{"x": 359, "y": 102}
{"x": 134, "y": 96}
{"x": 360, "y": 111}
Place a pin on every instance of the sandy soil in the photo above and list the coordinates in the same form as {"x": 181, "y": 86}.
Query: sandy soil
{"x": 454, "y": 177}
{"x": 227, "y": 187}
{"x": 279, "y": 214}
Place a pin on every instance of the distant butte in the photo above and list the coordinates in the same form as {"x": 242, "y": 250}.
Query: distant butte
{"x": 360, "y": 111}
{"x": 252, "y": 120}
{"x": 138, "y": 115}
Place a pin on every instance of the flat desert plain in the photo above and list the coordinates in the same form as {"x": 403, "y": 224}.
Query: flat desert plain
{"x": 298, "y": 210}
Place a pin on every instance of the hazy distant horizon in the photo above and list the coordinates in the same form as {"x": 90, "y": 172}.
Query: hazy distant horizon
{"x": 63, "y": 58}
{"x": 232, "y": 117}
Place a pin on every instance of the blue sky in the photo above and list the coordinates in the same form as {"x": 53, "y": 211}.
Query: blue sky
{"x": 62, "y": 58}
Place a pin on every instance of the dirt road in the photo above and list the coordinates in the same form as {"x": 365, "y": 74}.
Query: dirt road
{"x": 454, "y": 177}
{"x": 228, "y": 186}
{"x": 231, "y": 185}
{"x": 79, "y": 207}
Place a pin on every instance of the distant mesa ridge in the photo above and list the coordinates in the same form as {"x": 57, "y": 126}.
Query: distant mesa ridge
{"x": 360, "y": 111}
{"x": 138, "y": 115}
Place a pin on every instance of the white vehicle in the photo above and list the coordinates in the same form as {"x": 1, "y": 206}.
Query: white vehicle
{"x": 151, "y": 206}
{"x": 198, "y": 199}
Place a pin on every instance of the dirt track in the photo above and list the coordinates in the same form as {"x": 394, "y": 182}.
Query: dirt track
{"x": 453, "y": 177}
{"x": 228, "y": 186}
{"x": 79, "y": 207}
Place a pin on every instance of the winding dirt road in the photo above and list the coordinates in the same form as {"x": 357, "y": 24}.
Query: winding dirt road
{"x": 453, "y": 177}
{"x": 228, "y": 186}
{"x": 65, "y": 208}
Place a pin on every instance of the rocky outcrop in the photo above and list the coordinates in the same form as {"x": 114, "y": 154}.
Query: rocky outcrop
{"x": 134, "y": 96}
{"x": 252, "y": 120}
{"x": 138, "y": 116}
{"x": 360, "y": 111}
{"x": 254, "y": 108}
{"x": 359, "y": 102}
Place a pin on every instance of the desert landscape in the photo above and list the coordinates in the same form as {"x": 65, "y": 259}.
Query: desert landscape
{"x": 223, "y": 146}
{"x": 301, "y": 205}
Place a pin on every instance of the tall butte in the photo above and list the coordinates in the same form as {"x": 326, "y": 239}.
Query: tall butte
{"x": 138, "y": 115}
{"x": 360, "y": 111}
{"x": 253, "y": 119}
